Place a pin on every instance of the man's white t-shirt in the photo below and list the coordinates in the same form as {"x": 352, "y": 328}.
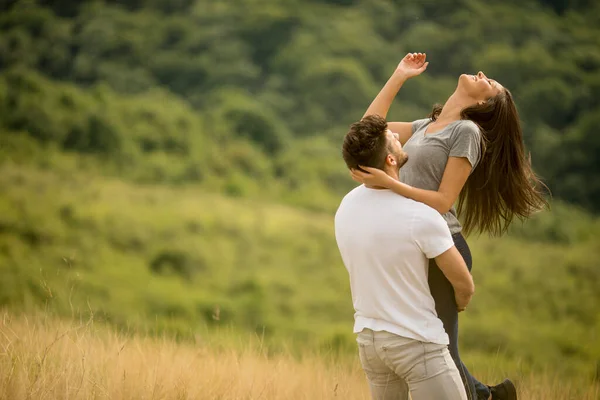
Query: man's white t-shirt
{"x": 385, "y": 241}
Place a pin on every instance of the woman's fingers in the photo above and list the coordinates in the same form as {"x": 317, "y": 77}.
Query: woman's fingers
{"x": 359, "y": 176}
{"x": 357, "y": 173}
{"x": 370, "y": 170}
{"x": 416, "y": 58}
{"x": 355, "y": 179}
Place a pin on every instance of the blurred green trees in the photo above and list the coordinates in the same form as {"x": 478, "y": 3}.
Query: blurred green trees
{"x": 274, "y": 74}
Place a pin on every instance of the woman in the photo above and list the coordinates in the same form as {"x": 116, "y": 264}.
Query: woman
{"x": 470, "y": 150}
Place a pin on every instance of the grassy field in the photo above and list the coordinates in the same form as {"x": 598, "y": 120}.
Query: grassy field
{"x": 177, "y": 260}
{"x": 170, "y": 170}
{"x": 46, "y": 359}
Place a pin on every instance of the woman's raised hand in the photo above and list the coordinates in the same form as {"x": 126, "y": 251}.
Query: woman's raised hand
{"x": 374, "y": 177}
{"x": 412, "y": 64}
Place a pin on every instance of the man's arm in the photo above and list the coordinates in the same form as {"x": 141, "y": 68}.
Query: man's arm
{"x": 454, "y": 268}
{"x": 433, "y": 237}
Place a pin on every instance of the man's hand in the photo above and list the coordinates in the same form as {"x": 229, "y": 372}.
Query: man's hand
{"x": 412, "y": 64}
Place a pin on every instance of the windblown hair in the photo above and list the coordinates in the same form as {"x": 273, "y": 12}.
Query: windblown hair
{"x": 366, "y": 143}
{"x": 503, "y": 185}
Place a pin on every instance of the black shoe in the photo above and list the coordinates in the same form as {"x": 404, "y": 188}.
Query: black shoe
{"x": 504, "y": 391}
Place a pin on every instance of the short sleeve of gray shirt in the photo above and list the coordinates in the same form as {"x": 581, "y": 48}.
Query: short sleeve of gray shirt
{"x": 420, "y": 123}
{"x": 428, "y": 155}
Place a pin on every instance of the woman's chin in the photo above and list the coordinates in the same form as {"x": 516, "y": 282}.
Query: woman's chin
{"x": 463, "y": 81}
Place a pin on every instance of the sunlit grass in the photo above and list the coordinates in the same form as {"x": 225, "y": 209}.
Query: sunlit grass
{"x": 46, "y": 358}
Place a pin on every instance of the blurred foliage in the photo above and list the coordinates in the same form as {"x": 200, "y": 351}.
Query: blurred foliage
{"x": 173, "y": 260}
{"x": 145, "y": 146}
{"x": 252, "y": 81}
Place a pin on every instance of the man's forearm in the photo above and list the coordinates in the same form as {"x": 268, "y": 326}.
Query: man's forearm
{"x": 384, "y": 99}
{"x": 455, "y": 270}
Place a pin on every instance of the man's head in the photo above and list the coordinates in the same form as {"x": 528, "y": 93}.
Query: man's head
{"x": 370, "y": 143}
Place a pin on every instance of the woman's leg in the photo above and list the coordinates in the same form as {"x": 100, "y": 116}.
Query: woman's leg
{"x": 445, "y": 304}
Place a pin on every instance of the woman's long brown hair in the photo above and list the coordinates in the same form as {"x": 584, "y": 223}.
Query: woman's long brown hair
{"x": 503, "y": 184}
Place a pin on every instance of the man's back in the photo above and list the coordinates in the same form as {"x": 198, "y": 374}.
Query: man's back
{"x": 385, "y": 241}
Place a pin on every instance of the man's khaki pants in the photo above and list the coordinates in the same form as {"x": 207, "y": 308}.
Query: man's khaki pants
{"x": 396, "y": 365}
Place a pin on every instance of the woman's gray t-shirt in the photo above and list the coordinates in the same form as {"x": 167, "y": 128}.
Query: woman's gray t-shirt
{"x": 428, "y": 155}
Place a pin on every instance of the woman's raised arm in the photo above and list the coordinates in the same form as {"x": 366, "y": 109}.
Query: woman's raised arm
{"x": 413, "y": 64}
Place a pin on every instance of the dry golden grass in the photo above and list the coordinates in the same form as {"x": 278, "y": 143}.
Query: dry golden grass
{"x": 43, "y": 358}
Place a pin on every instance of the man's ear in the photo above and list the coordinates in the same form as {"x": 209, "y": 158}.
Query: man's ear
{"x": 390, "y": 159}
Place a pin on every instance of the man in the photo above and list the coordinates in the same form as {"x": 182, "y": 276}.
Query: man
{"x": 385, "y": 241}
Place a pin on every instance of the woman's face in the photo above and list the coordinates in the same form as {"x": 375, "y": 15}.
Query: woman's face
{"x": 479, "y": 87}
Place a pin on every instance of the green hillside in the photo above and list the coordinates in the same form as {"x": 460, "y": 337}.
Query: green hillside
{"x": 156, "y": 258}
{"x": 228, "y": 94}
{"x": 173, "y": 166}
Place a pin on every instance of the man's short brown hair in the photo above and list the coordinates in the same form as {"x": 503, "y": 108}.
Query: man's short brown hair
{"x": 366, "y": 143}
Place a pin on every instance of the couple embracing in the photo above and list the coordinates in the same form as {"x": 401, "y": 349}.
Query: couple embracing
{"x": 400, "y": 238}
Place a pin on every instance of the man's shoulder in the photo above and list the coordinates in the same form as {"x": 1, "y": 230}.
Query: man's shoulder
{"x": 356, "y": 192}
{"x": 350, "y": 198}
{"x": 373, "y": 200}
